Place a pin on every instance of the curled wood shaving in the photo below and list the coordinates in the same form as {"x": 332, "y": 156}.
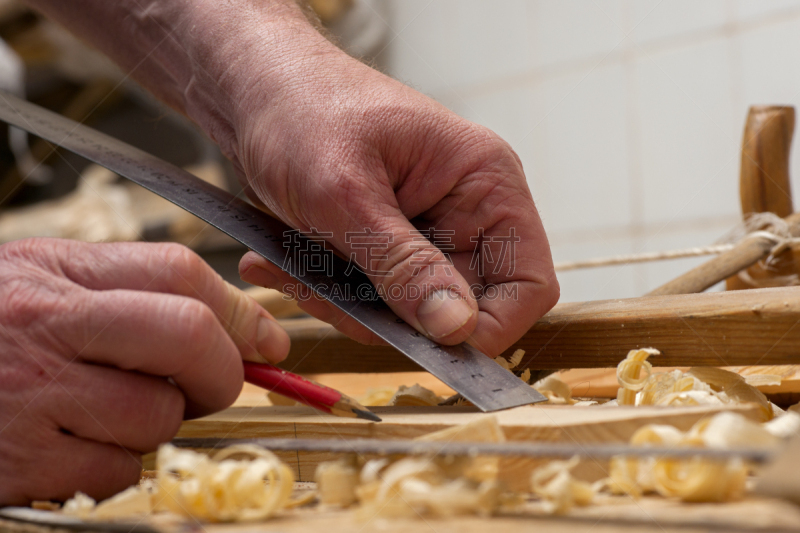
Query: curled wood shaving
{"x": 557, "y": 391}
{"x": 734, "y": 387}
{"x": 377, "y": 397}
{"x": 417, "y": 486}
{"x": 415, "y": 396}
{"x": 784, "y": 426}
{"x": 701, "y": 385}
{"x": 730, "y": 430}
{"x": 697, "y": 479}
{"x": 240, "y": 483}
{"x": 478, "y": 468}
{"x": 420, "y": 486}
{"x": 559, "y": 491}
{"x": 512, "y": 362}
{"x": 629, "y": 374}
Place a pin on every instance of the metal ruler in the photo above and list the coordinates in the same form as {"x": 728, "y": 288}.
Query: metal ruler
{"x": 549, "y": 450}
{"x": 462, "y": 367}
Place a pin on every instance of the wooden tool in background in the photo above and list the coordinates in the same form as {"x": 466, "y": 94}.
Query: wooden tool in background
{"x": 764, "y": 186}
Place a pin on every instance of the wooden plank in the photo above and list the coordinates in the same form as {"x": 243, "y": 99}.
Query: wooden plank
{"x": 614, "y": 515}
{"x": 649, "y": 515}
{"x": 754, "y": 327}
{"x": 606, "y": 515}
{"x": 530, "y": 423}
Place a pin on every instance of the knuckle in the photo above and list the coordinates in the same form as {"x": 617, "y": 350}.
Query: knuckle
{"x": 197, "y": 323}
{"x": 26, "y": 303}
{"x": 184, "y": 267}
{"x": 38, "y": 252}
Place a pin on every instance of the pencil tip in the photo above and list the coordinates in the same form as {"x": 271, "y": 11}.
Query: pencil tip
{"x": 367, "y": 415}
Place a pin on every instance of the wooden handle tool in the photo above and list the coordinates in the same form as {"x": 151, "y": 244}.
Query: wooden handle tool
{"x": 764, "y": 186}
{"x": 764, "y": 181}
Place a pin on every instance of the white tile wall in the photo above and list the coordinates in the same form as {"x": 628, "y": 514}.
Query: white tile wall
{"x": 598, "y": 283}
{"x": 690, "y": 138}
{"x": 627, "y": 114}
{"x": 748, "y": 9}
{"x": 659, "y": 19}
{"x": 776, "y": 80}
{"x": 568, "y": 30}
{"x": 585, "y": 181}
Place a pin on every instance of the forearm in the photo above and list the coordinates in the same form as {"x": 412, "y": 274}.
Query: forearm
{"x": 203, "y": 58}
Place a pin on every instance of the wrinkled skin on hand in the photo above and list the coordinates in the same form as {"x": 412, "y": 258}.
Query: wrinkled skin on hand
{"x": 350, "y": 149}
{"x": 104, "y": 349}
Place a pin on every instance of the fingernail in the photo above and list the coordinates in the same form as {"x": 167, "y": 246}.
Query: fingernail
{"x": 443, "y": 312}
{"x": 273, "y": 341}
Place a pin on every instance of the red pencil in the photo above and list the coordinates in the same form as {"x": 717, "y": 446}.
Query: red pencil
{"x": 305, "y": 391}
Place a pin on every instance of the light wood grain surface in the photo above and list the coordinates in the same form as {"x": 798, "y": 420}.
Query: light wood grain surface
{"x": 738, "y": 328}
{"x": 531, "y": 423}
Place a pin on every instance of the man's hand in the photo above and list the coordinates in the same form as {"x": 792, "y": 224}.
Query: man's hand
{"x": 330, "y": 144}
{"x": 350, "y": 151}
{"x": 104, "y": 349}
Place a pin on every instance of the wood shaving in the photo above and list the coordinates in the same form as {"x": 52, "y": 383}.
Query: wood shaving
{"x": 414, "y": 396}
{"x": 629, "y": 374}
{"x": 377, "y": 397}
{"x": 784, "y": 426}
{"x": 512, "y": 362}
{"x": 763, "y": 380}
{"x": 133, "y": 501}
{"x": 559, "y": 491}
{"x": 240, "y": 483}
{"x": 698, "y": 386}
{"x": 79, "y": 505}
{"x": 734, "y": 387}
{"x": 556, "y": 391}
{"x": 419, "y": 486}
{"x": 697, "y": 479}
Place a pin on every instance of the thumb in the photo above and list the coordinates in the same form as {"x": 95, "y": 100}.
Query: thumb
{"x": 414, "y": 277}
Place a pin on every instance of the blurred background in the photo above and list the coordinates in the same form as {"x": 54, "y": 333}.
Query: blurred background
{"x": 627, "y": 115}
